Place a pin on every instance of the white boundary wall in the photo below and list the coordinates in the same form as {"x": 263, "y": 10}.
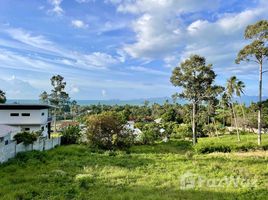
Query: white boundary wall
{"x": 11, "y": 150}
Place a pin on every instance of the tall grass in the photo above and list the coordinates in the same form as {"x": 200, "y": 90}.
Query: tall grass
{"x": 146, "y": 172}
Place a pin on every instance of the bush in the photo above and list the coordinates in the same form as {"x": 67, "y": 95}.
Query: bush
{"x": 26, "y": 137}
{"x": 150, "y": 132}
{"x": 212, "y": 148}
{"x": 182, "y": 131}
{"x": 71, "y": 135}
{"x": 107, "y": 131}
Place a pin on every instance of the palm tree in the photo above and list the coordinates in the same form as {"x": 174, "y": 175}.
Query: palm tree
{"x": 3, "y": 98}
{"x": 234, "y": 86}
{"x": 239, "y": 89}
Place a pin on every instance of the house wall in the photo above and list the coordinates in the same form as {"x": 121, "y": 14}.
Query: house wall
{"x": 35, "y": 117}
{"x": 11, "y": 150}
{"x": 34, "y": 128}
{"x": 4, "y": 139}
{"x": 34, "y": 122}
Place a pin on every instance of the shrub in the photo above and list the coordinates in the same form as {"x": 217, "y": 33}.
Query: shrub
{"x": 182, "y": 131}
{"x": 107, "y": 131}
{"x": 212, "y": 148}
{"x": 71, "y": 135}
{"x": 150, "y": 132}
{"x": 26, "y": 137}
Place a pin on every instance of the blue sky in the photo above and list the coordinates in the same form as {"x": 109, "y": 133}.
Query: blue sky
{"x": 120, "y": 49}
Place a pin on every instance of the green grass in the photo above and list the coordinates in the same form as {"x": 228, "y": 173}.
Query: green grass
{"x": 228, "y": 143}
{"x": 147, "y": 172}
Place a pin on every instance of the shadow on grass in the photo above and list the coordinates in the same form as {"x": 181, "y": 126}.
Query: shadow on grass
{"x": 172, "y": 146}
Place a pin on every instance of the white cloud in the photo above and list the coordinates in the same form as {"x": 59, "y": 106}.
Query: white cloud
{"x": 35, "y": 46}
{"x": 161, "y": 33}
{"x": 158, "y": 28}
{"x": 15, "y": 88}
{"x": 85, "y": 1}
{"x": 57, "y": 9}
{"x": 99, "y": 59}
{"x": 221, "y": 40}
{"x": 154, "y": 38}
{"x": 149, "y": 71}
{"x": 79, "y": 24}
{"x": 74, "y": 89}
{"x": 103, "y": 93}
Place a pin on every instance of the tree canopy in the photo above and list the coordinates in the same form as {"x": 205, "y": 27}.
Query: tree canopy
{"x": 3, "y": 98}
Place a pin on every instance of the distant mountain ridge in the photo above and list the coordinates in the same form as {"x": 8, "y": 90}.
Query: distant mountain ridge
{"x": 160, "y": 100}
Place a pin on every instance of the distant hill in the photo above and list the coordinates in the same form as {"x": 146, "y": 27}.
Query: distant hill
{"x": 161, "y": 100}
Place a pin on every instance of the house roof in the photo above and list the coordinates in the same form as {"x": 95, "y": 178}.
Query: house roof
{"x": 5, "y": 129}
{"x": 24, "y": 106}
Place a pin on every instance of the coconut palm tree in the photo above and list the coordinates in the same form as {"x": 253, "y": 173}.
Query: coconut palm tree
{"x": 3, "y": 98}
{"x": 239, "y": 89}
{"x": 234, "y": 86}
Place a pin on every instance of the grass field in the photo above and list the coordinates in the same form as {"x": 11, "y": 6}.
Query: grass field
{"x": 146, "y": 172}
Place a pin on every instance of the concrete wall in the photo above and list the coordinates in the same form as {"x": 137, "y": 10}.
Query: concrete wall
{"x": 35, "y": 117}
{"x": 11, "y": 150}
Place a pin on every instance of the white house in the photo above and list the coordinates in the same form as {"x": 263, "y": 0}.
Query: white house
{"x": 6, "y": 134}
{"x": 27, "y": 117}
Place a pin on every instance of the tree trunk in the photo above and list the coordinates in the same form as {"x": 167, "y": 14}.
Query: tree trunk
{"x": 236, "y": 126}
{"x": 194, "y": 124}
{"x": 55, "y": 121}
{"x": 244, "y": 116}
{"x": 260, "y": 106}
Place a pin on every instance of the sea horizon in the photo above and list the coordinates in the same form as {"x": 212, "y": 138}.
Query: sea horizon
{"x": 139, "y": 101}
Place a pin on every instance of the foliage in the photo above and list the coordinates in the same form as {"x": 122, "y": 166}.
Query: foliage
{"x": 182, "y": 131}
{"x": 196, "y": 78}
{"x": 149, "y": 172}
{"x": 107, "y": 131}
{"x": 256, "y": 51}
{"x": 59, "y": 98}
{"x": 71, "y": 135}
{"x": 2, "y": 97}
{"x": 228, "y": 143}
{"x": 26, "y": 137}
{"x": 150, "y": 132}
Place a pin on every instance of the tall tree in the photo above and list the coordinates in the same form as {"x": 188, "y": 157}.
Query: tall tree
{"x": 74, "y": 108}
{"x": 256, "y": 51}
{"x": 59, "y": 97}
{"x": 3, "y": 98}
{"x": 234, "y": 86}
{"x": 44, "y": 97}
{"x": 239, "y": 89}
{"x": 196, "y": 78}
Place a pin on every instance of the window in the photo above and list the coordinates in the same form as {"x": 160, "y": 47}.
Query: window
{"x": 6, "y": 142}
{"x": 42, "y": 128}
{"x": 25, "y": 114}
{"x": 26, "y": 129}
{"x": 14, "y": 114}
{"x": 43, "y": 114}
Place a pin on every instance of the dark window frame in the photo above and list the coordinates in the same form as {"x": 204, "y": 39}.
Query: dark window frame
{"x": 26, "y": 129}
{"x": 14, "y": 114}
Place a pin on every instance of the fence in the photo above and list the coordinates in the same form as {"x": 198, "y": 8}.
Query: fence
{"x": 11, "y": 150}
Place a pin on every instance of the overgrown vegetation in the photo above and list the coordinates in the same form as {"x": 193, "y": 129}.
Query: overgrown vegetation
{"x": 70, "y": 135}
{"x": 107, "y": 131}
{"x": 227, "y": 143}
{"x": 145, "y": 172}
{"x": 26, "y": 137}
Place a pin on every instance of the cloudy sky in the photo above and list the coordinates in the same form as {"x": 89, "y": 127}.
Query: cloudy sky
{"x": 120, "y": 49}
